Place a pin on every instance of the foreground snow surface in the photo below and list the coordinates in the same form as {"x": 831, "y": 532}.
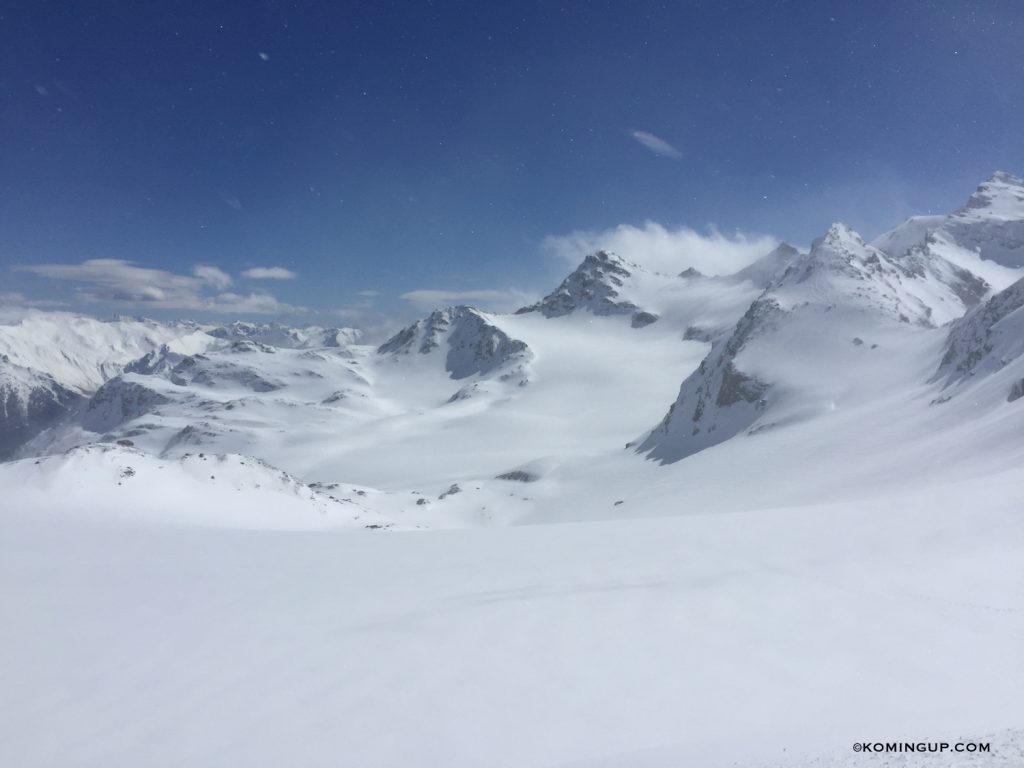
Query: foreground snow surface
{"x": 761, "y": 638}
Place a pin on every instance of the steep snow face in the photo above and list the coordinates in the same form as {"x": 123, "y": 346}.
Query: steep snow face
{"x": 30, "y": 401}
{"x": 277, "y": 335}
{"x": 717, "y": 401}
{"x": 924, "y": 289}
{"x": 992, "y": 221}
{"x": 911, "y": 232}
{"x": 121, "y": 399}
{"x": 475, "y": 346}
{"x": 810, "y": 342}
{"x": 986, "y": 342}
{"x": 986, "y": 236}
{"x": 769, "y": 267}
{"x": 81, "y": 352}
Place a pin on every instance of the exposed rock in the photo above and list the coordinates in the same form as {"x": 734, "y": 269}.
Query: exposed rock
{"x": 119, "y": 400}
{"x": 594, "y": 286}
{"x": 475, "y": 345}
{"x": 641, "y": 319}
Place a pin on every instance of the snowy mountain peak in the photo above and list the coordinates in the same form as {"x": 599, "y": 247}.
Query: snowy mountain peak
{"x": 1001, "y": 197}
{"x": 919, "y": 286}
{"x": 594, "y": 286}
{"x": 841, "y": 251}
{"x": 991, "y": 226}
{"x": 603, "y": 284}
{"x": 840, "y": 236}
{"x": 769, "y": 267}
{"x": 475, "y": 344}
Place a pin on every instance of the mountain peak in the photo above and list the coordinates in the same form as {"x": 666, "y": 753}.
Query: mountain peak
{"x": 1004, "y": 177}
{"x": 594, "y": 285}
{"x": 603, "y": 258}
{"x": 768, "y": 267}
{"x": 1001, "y": 197}
{"x": 840, "y": 235}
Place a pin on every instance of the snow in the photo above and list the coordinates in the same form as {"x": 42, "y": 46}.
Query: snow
{"x": 766, "y": 637}
{"x": 81, "y": 352}
{"x": 655, "y": 520}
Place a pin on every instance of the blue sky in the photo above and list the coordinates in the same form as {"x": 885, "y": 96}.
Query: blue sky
{"x": 373, "y": 150}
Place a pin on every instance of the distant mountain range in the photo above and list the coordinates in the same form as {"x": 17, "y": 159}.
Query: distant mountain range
{"x": 902, "y": 352}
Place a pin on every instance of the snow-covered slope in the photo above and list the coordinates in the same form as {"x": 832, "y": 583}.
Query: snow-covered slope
{"x": 992, "y": 221}
{"x": 986, "y": 236}
{"x": 119, "y": 482}
{"x": 839, "y": 475}
{"x": 988, "y": 342}
{"x": 776, "y": 637}
{"x": 810, "y": 341}
{"x": 30, "y": 401}
{"x": 82, "y": 352}
{"x": 277, "y": 335}
{"x": 769, "y": 267}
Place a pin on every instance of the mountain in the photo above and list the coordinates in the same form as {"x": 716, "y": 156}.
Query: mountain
{"x": 984, "y": 237}
{"x": 784, "y": 341}
{"x": 30, "y": 401}
{"x": 277, "y": 335}
{"x": 471, "y": 342}
{"x": 603, "y": 284}
{"x": 795, "y": 350}
{"x": 223, "y": 520}
{"x": 769, "y": 267}
{"x": 52, "y": 362}
{"x": 82, "y": 352}
{"x": 992, "y": 221}
{"x": 987, "y": 342}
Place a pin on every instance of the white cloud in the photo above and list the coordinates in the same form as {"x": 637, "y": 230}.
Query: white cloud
{"x": 123, "y": 282}
{"x": 665, "y": 250}
{"x": 269, "y": 273}
{"x": 215, "y": 276}
{"x": 492, "y": 300}
{"x": 254, "y": 303}
{"x": 657, "y": 145}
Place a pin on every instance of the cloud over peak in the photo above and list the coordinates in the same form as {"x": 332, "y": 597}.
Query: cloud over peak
{"x": 665, "y": 250}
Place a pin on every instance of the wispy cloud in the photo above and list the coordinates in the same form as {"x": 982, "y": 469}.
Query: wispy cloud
{"x": 494, "y": 300}
{"x": 269, "y": 273}
{"x": 215, "y": 276}
{"x": 119, "y": 281}
{"x": 665, "y": 250}
{"x": 656, "y": 144}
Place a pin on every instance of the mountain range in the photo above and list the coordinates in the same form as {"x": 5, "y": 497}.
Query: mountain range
{"x": 676, "y": 519}
{"x": 905, "y": 329}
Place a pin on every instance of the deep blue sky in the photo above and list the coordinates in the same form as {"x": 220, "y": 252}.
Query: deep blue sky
{"x": 394, "y": 146}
